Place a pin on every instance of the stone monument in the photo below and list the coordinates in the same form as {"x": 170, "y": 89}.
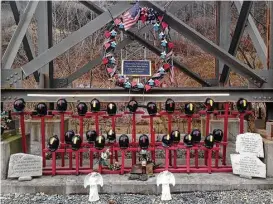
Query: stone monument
{"x": 24, "y": 166}
{"x": 247, "y": 163}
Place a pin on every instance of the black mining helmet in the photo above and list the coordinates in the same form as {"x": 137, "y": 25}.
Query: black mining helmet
{"x": 19, "y": 104}
{"x": 111, "y": 109}
{"x": 95, "y": 105}
{"x": 218, "y": 135}
{"x": 189, "y": 108}
{"x": 188, "y": 140}
{"x": 53, "y": 143}
{"x": 152, "y": 108}
{"x": 82, "y": 108}
{"x": 68, "y": 136}
{"x": 100, "y": 142}
{"x": 175, "y": 136}
{"x": 196, "y": 135}
{"x": 132, "y": 106}
{"x": 91, "y": 136}
{"x": 209, "y": 104}
{"x": 76, "y": 142}
{"x": 41, "y": 109}
{"x": 144, "y": 141}
{"x": 170, "y": 105}
{"x": 167, "y": 140}
{"x": 242, "y": 105}
{"x": 209, "y": 141}
{"x": 123, "y": 141}
{"x": 61, "y": 105}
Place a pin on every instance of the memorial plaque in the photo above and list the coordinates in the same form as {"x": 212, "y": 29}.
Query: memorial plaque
{"x": 136, "y": 68}
{"x": 250, "y": 143}
{"x": 248, "y": 165}
{"x": 24, "y": 165}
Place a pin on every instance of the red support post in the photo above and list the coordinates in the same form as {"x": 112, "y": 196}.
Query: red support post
{"x": 241, "y": 117}
{"x": 188, "y": 162}
{"x": 97, "y": 123}
{"x": 209, "y": 161}
{"x": 62, "y": 136}
{"x": 81, "y": 135}
{"x": 134, "y": 138}
{"x": 216, "y": 156}
{"x": 152, "y": 137}
{"x": 43, "y": 139}
{"x": 226, "y": 116}
{"x": 53, "y": 163}
{"x": 91, "y": 158}
{"x": 77, "y": 162}
{"x": 166, "y": 159}
{"x": 189, "y": 124}
{"x": 122, "y": 162}
{"x": 23, "y": 132}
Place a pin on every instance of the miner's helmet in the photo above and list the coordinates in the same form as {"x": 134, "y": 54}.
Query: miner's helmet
{"x": 175, "y": 135}
{"x": 76, "y": 142}
{"x": 167, "y": 140}
{"x": 189, "y": 109}
{"x": 242, "y": 105}
{"x": 68, "y": 136}
{"x": 53, "y": 143}
{"x": 169, "y": 105}
{"x": 82, "y": 108}
{"x": 144, "y": 141}
{"x": 196, "y": 135}
{"x": 41, "y": 109}
{"x": 91, "y": 136}
{"x": 19, "y": 104}
{"x": 218, "y": 135}
{"x": 209, "y": 104}
{"x": 123, "y": 141}
{"x": 111, "y": 135}
{"x": 95, "y": 105}
{"x": 111, "y": 109}
{"x": 151, "y": 108}
{"x": 61, "y": 105}
{"x": 100, "y": 142}
{"x": 209, "y": 141}
{"x": 132, "y": 106}
{"x": 188, "y": 140}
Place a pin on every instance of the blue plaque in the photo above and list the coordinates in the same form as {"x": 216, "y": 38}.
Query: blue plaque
{"x": 136, "y": 67}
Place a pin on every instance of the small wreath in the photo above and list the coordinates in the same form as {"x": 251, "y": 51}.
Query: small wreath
{"x": 146, "y": 15}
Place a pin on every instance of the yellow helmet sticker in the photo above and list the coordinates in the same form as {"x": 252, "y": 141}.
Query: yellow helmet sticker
{"x": 110, "y": 132}
{"x": 75, "y": 140}
{"x": 111, "y": 105}
{"x": 100, "y": 139}
{"x": 51, "y": 140}
{"x": 168, "y": 136}
{"x": 211, "y": 138}
{"x": 210, "y": 102}
{"x": 94, "y": 104}
{"x": 191, "y": 106}
{"x": 189, "y": 137}
{"x": 244, "y": 102}
{"x": 176, "y": 134}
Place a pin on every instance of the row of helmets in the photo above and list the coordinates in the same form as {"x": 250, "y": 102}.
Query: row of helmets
{"x": 99, "y": 141}
{"x": 82, "y": 109}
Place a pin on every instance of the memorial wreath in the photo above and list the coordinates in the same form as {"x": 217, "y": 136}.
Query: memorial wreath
{"x": 123, "y": 23}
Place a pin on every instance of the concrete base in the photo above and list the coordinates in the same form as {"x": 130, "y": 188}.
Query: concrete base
{"x": 233, "y": 127}
{"x": 269, "y": 129}
{"x": 10, "y": 145}
{"x": 114, "y": 184}
{"x": 268, "y": 152}
{"x": 33, "y": 126}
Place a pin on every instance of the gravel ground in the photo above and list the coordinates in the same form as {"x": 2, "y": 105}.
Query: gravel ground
{"x": 223, "y": 197}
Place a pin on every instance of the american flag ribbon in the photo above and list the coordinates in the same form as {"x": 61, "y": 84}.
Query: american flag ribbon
{"x": 131, "y": 17}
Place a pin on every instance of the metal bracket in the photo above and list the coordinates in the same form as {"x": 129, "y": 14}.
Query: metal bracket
{"x": 60, "y": 83}
{"x": 11, "y": 78}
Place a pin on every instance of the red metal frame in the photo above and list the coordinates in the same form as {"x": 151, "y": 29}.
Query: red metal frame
{"x": 79, "y": 168}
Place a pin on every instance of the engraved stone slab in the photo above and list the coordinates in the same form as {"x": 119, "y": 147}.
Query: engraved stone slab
{"x": 248, "y": 165}
{"x": 21, "y": 165}
{"x": 250, "y": 143}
